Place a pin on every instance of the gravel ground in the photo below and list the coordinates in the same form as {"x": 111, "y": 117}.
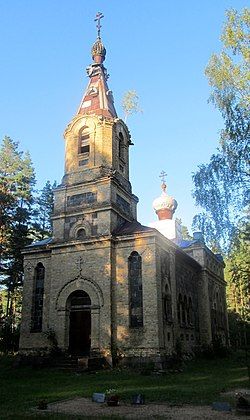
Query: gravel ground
{"x": 85, "y": 407}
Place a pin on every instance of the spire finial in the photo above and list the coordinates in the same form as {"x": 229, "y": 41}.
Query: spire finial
{"x": 163, "y": 175}
{"x": 98, "y": 18}
{"x": 98, "y": 50}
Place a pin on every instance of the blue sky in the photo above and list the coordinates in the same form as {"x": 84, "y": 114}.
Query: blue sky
{"x": 159, "y": 49}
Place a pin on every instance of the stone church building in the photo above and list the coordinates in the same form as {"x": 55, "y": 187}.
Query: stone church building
{"x": 104, "y": 284}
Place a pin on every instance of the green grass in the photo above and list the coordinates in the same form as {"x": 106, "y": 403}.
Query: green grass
{"x": 200, "y": 383}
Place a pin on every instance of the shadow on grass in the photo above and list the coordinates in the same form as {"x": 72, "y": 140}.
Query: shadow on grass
{"x": 201, "y": 382}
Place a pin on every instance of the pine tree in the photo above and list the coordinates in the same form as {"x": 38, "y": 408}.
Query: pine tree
{"x": 43, "y": 212}
{"x": 184, "y": 231}
{"x": 238, "y": 274}
{"x": 17, "y": 182}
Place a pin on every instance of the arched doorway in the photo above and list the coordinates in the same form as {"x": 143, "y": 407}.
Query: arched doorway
{"x": 79, "y": 304}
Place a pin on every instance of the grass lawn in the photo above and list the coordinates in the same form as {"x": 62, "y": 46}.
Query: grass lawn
{"x": 200, "y": 383}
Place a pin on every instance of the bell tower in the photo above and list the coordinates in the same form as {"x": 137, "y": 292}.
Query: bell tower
{"x": 95, "y": 195}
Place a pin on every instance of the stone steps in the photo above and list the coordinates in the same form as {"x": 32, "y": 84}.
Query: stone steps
{"x": 81, "y": 364}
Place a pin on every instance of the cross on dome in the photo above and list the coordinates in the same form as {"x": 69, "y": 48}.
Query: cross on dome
{"x": 164, "y": 205}
{"x": 98, "y": 50}
{"x": 98, "y": 18}
{"x": 163, "y": 175}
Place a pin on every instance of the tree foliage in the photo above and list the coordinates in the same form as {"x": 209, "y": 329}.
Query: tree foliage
{"x": 238, "y": 274}
{"x": 25, "y": 216}
{"x": 17, "y": 182}
{"x": 43, "y": 211}
{"x": 221, "y": 187}
{"x": 130, "y": 103}
{"x": 184, "y": 231}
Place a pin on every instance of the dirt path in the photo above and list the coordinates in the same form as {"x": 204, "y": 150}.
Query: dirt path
{"x": 85, "y": 407}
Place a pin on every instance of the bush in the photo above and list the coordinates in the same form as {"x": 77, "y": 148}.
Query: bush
{"x": 219, "y": 348}
{"x": 214, "y": 350}
{"x": 53, "y": 343}
{"x": 9, "y": 338}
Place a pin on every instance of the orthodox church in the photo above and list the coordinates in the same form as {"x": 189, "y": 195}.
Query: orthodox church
{"x": 104, "y": 284}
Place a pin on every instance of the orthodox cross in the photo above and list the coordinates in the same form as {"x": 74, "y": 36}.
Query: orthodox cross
{"x": 98, "y": 18}
{"x": 28, "y": 266}
{"x": 79, "y": 263}
{"x": 162, "y": 175}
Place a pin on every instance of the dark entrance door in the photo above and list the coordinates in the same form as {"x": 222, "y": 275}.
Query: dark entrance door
{"x": 80, "y": 324}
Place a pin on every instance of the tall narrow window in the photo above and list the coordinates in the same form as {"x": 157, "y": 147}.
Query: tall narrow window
{"x": 168, "y": 304}
{"x": 190, "y": 318}
{"x": 84, "y": 143}
{"x": 184, "y": 311}
{"x": 179, "y": 308}
{"x": 84, "y": 147}
{"x": 37, "y": 310}
{"x": 121, "y": 146}
{"x": 135, "y": 290}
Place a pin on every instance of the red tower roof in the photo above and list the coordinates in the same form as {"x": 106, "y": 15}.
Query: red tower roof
{"x": 98, "y": 99}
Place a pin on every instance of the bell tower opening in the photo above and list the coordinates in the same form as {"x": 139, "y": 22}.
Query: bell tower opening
{"x": 84, "y": 147}
{"x": 79, "y": 304}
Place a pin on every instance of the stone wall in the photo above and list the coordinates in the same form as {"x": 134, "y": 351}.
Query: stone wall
{"x": 36, "y": 340}
{"x": 143, "y": 340}
{"x": 211, "y": 294}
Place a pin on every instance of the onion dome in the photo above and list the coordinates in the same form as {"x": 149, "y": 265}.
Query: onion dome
{"x": 164, "y": 205}
{"x": 98, "y": 51}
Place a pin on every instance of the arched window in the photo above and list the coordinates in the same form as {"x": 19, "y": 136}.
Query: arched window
{"x": 84, "y": 147}
{"x": 215, "y": 308}
{"x": 37, "y": 309}
{"x": 168, "y": 304}
{"x": 135, "y": 290}
{"x": 221, "y": 313}
{"x": 190, "y": 316}
{"x": 81, "y": 233}
{"x": 184, "y": 311}
{"x": 179, "y": 308}
{"x": 121, "y": 146}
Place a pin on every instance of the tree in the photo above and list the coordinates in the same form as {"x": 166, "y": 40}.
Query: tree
{"x": 184, "y": 231}
{"x": 17, "y": 182}
{"x": 130, "y": 103}
{"x": 238, "y": 274}
{"x": 221, "y": 187}
{"x": 43, "y": 211}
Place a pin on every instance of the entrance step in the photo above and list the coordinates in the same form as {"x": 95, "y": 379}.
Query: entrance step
{"x": 97, "y": 363}
{"x": 81, "y": 363}
{"x": 65, "y": 363}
